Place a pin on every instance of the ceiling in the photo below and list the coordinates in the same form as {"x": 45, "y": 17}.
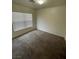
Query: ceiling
{"x": 48, "y": 3}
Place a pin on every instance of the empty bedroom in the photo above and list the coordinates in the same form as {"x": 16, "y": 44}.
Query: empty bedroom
{"x": 38, "y": 29}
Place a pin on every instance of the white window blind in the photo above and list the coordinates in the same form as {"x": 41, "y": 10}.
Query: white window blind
{"x": 21, "y": 20}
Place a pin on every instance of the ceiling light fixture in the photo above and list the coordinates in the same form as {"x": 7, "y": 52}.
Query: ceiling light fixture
{"x": 39, "y": 1}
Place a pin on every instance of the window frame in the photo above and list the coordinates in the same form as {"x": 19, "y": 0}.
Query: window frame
{"x": 24, "y": 22}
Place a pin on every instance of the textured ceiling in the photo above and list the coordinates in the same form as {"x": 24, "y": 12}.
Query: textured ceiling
{"x": 48, "y": 3}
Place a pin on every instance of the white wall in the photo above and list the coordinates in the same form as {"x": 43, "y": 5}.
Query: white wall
{"x": 52, "y": 20}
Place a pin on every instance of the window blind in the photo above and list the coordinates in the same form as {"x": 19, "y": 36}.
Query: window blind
{"x": 21, "y": 20}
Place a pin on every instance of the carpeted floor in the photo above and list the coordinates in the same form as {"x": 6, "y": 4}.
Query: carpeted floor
{"x": 39, "y": 45}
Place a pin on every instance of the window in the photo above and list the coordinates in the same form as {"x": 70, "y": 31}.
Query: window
{"x": 21, "y": 20}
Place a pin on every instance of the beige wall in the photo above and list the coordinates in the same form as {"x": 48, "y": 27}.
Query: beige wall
{"x": 24, "y": 9}
{"x": 52, "y": 20}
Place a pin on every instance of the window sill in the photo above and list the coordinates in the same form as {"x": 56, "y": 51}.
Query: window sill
{"x": 21, "y": 32}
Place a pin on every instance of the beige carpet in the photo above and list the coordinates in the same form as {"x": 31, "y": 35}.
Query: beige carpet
{"x": 39, "y": 45}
